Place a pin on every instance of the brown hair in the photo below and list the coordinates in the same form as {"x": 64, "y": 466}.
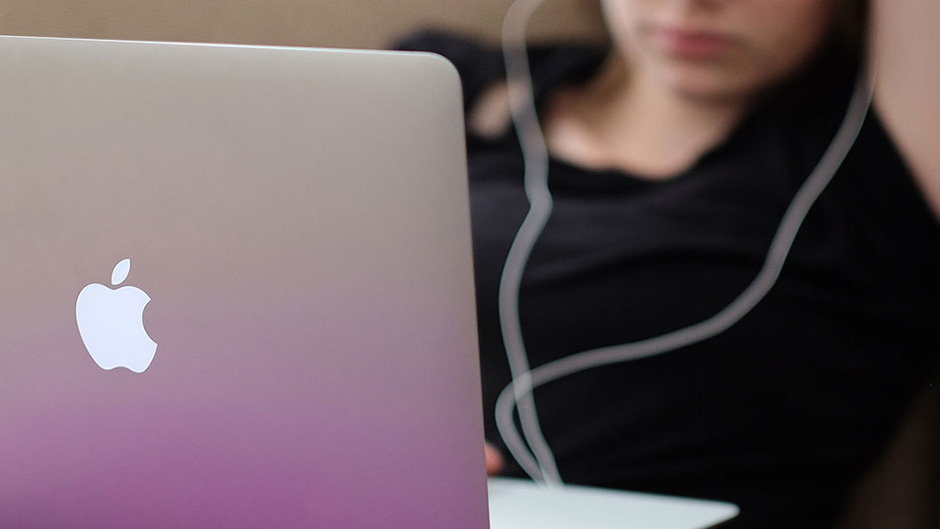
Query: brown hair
{"x": 851, "y": 25}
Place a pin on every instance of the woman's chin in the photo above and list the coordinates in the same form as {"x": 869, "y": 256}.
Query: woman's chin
{"x": 708, "y": 87}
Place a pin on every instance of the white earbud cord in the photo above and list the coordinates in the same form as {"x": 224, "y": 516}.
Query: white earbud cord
{"x": 535, "y": 155}
{"x": 540, "y": 463}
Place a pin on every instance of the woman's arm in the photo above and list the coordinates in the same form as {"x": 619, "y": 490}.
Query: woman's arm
{"x": 906, "y": 54}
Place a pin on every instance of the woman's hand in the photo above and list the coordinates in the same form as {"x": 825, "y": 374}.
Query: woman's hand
{"x": 494, "y": 460}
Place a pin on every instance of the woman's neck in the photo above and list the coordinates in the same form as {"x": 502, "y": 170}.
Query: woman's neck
{"x": 630, "y": 122}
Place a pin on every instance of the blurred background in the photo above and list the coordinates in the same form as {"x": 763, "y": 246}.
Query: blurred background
{"x": 327, "y": 23}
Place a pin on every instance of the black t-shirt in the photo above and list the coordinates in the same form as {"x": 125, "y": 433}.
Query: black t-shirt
{"x": 783, "y": 411}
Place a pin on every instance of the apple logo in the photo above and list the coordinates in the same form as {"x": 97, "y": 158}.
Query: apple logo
{"x": 111, "y": 323}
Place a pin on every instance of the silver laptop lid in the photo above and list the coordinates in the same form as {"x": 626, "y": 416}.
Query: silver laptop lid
{"x": 295, "y": 224}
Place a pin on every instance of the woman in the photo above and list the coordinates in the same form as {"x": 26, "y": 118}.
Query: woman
{"x": 674, "y": 158}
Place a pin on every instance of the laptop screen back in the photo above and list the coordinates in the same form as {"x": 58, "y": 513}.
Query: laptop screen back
{"x": 276, "y": 324}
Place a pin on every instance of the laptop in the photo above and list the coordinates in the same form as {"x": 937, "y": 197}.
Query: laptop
{"x": 236, "y": 290}
{"x": 519, "y": 504}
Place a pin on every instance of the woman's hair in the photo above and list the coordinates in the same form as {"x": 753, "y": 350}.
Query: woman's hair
{"x": 851, "y": 29}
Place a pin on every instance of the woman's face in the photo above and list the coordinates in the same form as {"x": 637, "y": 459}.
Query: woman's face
{"x": 718, "y": 49}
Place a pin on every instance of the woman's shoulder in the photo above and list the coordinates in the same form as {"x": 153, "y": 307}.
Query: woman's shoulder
{"x": 874, "y": 190}
{"x": 483, "y": 74}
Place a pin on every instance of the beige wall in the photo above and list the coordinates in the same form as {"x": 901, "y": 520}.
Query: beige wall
{"x": 331, "y": 23}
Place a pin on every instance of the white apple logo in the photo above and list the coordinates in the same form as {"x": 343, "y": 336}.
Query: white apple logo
{"x": 111, "y": 323}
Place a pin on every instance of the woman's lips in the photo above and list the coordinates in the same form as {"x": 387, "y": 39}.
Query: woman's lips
{"x": 689, "y": 44}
